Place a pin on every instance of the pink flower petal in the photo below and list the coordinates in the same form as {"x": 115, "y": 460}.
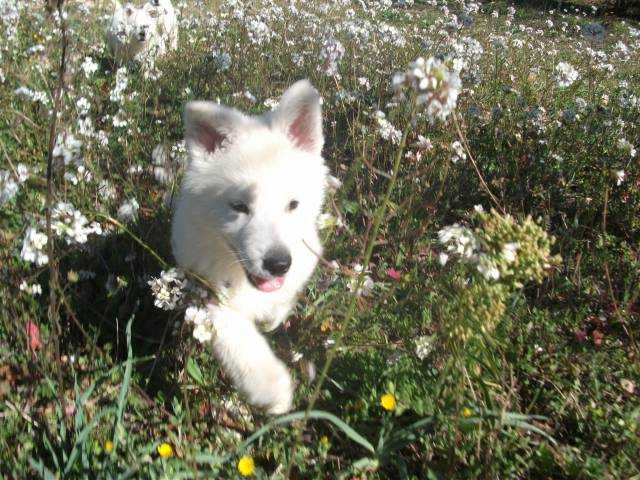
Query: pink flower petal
{"x": 395, "y": 274}
{"x": 33, "y": 335}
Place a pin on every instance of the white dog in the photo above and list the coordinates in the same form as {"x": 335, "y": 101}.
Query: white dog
{"x": 246, "y": 220}
{"x": 132, "y": 33}
{"x": 167, "y": 22}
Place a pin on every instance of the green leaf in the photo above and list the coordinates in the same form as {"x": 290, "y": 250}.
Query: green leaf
{"x": 126, "y": 380}
{"x": 284, "y": 420}
{"x": 194, "y": 371}
{"x": 82, "y": 437}
{"x": 315, "y": 414}
{"x": 39, "y": 467}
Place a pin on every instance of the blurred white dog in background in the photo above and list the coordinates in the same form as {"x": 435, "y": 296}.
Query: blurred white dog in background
{"x": 167, "y": 24}
{"x": 142, "y": 33}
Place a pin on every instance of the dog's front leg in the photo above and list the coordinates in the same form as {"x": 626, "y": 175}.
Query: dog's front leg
{"x": 249, "y": 361}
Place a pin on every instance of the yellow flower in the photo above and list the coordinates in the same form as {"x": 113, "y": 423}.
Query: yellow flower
{"x": 467, "y": 412}
{"x": 108, "y": 446}
{"x": 165, "y": 450}
{"x": 388, "y": 401}
{"x": 246, "y": 465}
{"x": 324, "y": 441}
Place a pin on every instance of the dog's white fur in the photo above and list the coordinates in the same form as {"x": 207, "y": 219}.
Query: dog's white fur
{"x": 167, "y": 25}
{"x": 264, "y": 162}
{"x": 132, "y": 33}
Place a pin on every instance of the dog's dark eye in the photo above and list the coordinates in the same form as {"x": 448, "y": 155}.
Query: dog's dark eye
{"x": 240, "y": 207}
{"x": 293, "y": 204}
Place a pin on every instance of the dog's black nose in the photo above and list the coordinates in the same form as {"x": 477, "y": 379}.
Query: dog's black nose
{"x": 277, "y": 261}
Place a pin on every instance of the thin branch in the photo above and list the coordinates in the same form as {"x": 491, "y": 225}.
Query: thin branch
{"x": 463, "y": 139}
{"x": 54, "y": 282}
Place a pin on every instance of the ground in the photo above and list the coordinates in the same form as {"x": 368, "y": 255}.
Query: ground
{"x": 476, "y": 313}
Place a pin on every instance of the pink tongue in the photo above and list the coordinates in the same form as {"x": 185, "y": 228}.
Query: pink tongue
{"x": 268, "y": 285}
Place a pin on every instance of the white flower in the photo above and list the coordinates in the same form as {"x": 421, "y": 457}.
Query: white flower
{"x": 128, "y": 211}
{"x": 436, "y": 86}
{"x": 365, "y": 289}
{"x": 35, "y": 49}
{"x": 364, "y": 82}
{"x": 196, "y": 315}
{"x": 34, "y": 289}
{"x": 565, "y": 74}
{"x": 89, "y": 67}
{"x": 118, "y": 120}
{"x": 23, "y": 172}
{"x": 459, "y": 240}
{"x": 331, "y": 53}
{"x": 387, "y": 130}
{"x": 619, "y": 176}
{"x": 443, "y": 258}
{"x": 69, "y": 222}
{"x": 203, "y": 333}
{"x": 458, "y": 152}
{"x": 106, "y": 190}
{"x": 83, "y": 106}
{"x": 32, "y": 247}
{"x": 203, "y": 324}
{"x": 487, "y": 269}
{"x": 326, "y": 220}
{"x": 168, "y": 290}
{"x": 69, "y": 148}
{"x": 424, "y": 143}
{"x": 117, "y": 94}
{"x": 367, "y": 286}
{"x": 249, "y": 96}
{"x": 509, "y": 252}
{"x": 627, "y": 147}
{"x": 8, "y": 187}
{"x": 32, "y": 95}
{"x": 271, "y": 103}
{"x": 259, "y": 32}
{"x": 222, "y": 60}
{"x": 424, "y": 346}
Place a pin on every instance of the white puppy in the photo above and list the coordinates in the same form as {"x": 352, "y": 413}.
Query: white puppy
{"x": 246, "y": 220}
{"x": 132, "y": 33}
{"x": 167, "y": 22}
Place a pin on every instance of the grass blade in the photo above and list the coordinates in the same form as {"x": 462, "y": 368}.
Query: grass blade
{"x": 124, "y": 389}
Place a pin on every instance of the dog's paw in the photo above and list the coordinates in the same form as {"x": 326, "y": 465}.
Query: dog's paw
{"x": 272, "y": 388}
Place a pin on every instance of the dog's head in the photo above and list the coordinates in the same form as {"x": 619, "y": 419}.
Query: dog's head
{"x": 142, "y": 20}
{"x": 259, "y": 181}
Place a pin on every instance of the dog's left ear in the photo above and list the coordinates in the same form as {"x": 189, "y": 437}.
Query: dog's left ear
{"x": 300, "y": 116}
{"x": 151, "y": 10}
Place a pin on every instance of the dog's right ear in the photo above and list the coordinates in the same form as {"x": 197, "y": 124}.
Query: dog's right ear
{"x": 208, "y": 126}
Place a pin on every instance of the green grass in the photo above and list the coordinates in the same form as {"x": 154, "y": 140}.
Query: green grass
{"x": 533, "y": 375}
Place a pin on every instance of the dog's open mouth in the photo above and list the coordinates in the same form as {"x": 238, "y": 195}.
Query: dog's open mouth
{"x": 266, "y": 284}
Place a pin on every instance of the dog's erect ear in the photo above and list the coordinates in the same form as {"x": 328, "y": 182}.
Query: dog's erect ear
{"x": 300, "y": 116}
{"x": 151, "y": 10}
{"x": 207, "y": 125}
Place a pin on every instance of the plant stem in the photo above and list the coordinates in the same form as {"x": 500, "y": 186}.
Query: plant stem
{"x": 54, "y": 281}
{"x": 373, "y": 233}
